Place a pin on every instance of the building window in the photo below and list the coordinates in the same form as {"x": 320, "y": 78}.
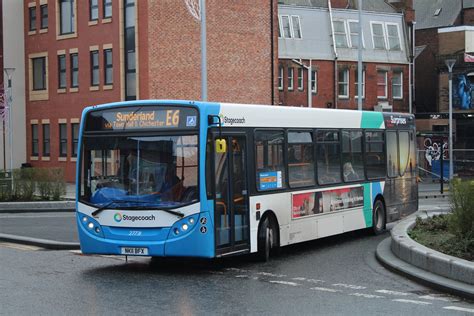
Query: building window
{"x": 34, "y": 140}
{"x": 314, "y": 81}
{"x": 62, "y": 71}
{"x": 300, "y": 79}
{"x": 94, "y": 68}
{"x": 378, "y": 36}
{"x": 107, "y": 9}
{"x": 62, "y": 140}
{"x": 280, "y": 78}
{"x": 66, "y": 17}
{"x": 291, "y": 77}
{"x": 44, "y": 16}
{"x": 289, "y": 27}
{"x": 93, "y": 10}
{"x": 285, "y": 21}
{"x": 32, "y": 11}
{"x": 39, "y": 73}
{"x": 75, "y": 138}
{"x": 343, "y": 83}
{"x": 357, "y": 84}
{"x": 340, "y": 34}
{"x": 46, "y": 140}
{"x": 354, "y": 34}
{"x": 381, "y": 84}
{"x": 74, "y": 70}
{"x": 108, "y": 67}
{"x": 393, "y": 37}
{"x": 130, "y": 51}
{"x": 397, "y": 85}
{"x": 295, "y": 20}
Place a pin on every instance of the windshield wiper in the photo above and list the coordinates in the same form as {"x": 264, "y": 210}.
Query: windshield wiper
{"x": 106, "y": 206}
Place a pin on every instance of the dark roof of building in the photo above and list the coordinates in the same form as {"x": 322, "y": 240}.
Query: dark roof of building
{"x": 436, "y": 13}
{"x": 367, "y": 5}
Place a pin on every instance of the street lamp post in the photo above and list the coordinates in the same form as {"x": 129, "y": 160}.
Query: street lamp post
{"x": 450, "y": 64}
{"x": 9, "y": 74}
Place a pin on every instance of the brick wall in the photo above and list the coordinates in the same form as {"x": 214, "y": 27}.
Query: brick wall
{"x": 238, "y": 50}
{"x": 426, "y": 73}
{"x": 324, "y": 98}
{"x": 451, "y": 43}
{"x": 468, "y": 16}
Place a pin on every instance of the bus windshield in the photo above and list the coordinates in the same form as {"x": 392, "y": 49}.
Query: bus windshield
{"x": 140, "y": 172}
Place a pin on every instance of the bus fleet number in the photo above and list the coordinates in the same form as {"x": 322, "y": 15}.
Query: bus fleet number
{"x": 134, "y": 233}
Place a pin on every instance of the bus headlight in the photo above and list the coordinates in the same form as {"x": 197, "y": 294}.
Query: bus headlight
{"x": 185, "y": 227}
{"x": 91, "y": 225}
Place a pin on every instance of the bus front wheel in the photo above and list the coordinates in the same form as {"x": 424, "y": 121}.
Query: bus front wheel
{"x": 378, "y": 218}
{"x": 265, "y": 240}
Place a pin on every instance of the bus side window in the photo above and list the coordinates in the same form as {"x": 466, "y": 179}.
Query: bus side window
{"x": 270, "y": 165}
{"x": 328, "y": 157}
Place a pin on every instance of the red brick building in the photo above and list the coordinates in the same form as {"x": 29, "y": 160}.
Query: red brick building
{"x": 80, "y": 54}
{"x": 331, "y": 54}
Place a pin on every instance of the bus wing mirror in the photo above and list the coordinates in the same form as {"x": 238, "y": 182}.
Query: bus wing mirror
{"x": 221, "y": 146}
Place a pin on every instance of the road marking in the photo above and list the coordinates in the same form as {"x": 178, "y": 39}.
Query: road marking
{"x": 439, "y": 297}
{"x": 271, "y": 274}
{"x": 350, "y": 286}
{"x": 325, "y": 289}
{"x": 411, "y": 301}
{"x": 393, "y": 292}
{"x": 19, "y": 246}
{"x": 461, "y": 309}
{"x": 285, "y": 283}
{"x": 366, "y": 295}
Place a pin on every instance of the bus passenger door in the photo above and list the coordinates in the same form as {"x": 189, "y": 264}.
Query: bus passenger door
{"x": 231, "y": 197}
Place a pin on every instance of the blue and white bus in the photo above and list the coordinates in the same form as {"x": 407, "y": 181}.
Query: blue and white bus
{"x": 199, "y": 179}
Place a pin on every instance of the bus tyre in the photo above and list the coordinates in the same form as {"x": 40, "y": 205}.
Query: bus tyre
{"x": 265, "y": 238}
{"x": 378, "y": 218}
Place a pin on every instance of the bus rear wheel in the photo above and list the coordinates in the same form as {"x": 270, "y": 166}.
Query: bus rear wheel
{"x": 378, "y": 219}
{"x": 265, "y": 240}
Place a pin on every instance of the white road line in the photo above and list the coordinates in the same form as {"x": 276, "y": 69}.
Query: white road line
{"x": 350, "y": 286}
{"x": 366, "y": 295}
{"x": 19, "y": 247}
{"x": 393, "y": 292}
{"x": 325, "y": 289}
{"x": 271, "y": 274}
{"x": 411, "y": 301}
{"x": 285, "y": 283}
{"x": 299, "y": 279}
{"x": 461, "y": 309}
{"x": 443, "y": 298}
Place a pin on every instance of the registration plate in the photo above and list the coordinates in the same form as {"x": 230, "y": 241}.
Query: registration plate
{"x": 134, "y": 251}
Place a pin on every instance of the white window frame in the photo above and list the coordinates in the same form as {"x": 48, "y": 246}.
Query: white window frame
{"x": 350, "y": 34}
{"x": 398, "y": 97}
{"x": 384, "y": 97}
{"x": 345, "y": 33}
{"x": 300, "y": 79}
{"x": 387, "y": 36}
{"x": 339, "y": 95}
{"x": 280, "y": 78}
{"x": 293, "y": 27}
{"x": 384, "y": 34}
{"x": 314, "y": 78}
{"x": 356, "y": 85}
{"x": 281, "y": 30}
{"x": 291, "y": 78}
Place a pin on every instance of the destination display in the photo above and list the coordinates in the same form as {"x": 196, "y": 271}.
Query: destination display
{"x": 142, "y": 117}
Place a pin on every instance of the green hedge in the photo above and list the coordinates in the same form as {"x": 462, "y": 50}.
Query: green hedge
{"x": 31, "y": 184}
{"x": 461, "y": 222}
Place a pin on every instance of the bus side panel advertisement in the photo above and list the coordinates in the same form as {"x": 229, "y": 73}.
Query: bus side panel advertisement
{"x": 305, "y": 204}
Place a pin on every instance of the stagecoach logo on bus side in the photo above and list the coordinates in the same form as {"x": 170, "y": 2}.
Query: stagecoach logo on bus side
{"x": 225, "y": 120}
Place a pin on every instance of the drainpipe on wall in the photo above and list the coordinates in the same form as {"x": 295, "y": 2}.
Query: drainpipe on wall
{"x": 413, "y": 62}
{"x": 272, "y": 54}
{"x": 309, "y": 68}
{"x": 335, "y": 54}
